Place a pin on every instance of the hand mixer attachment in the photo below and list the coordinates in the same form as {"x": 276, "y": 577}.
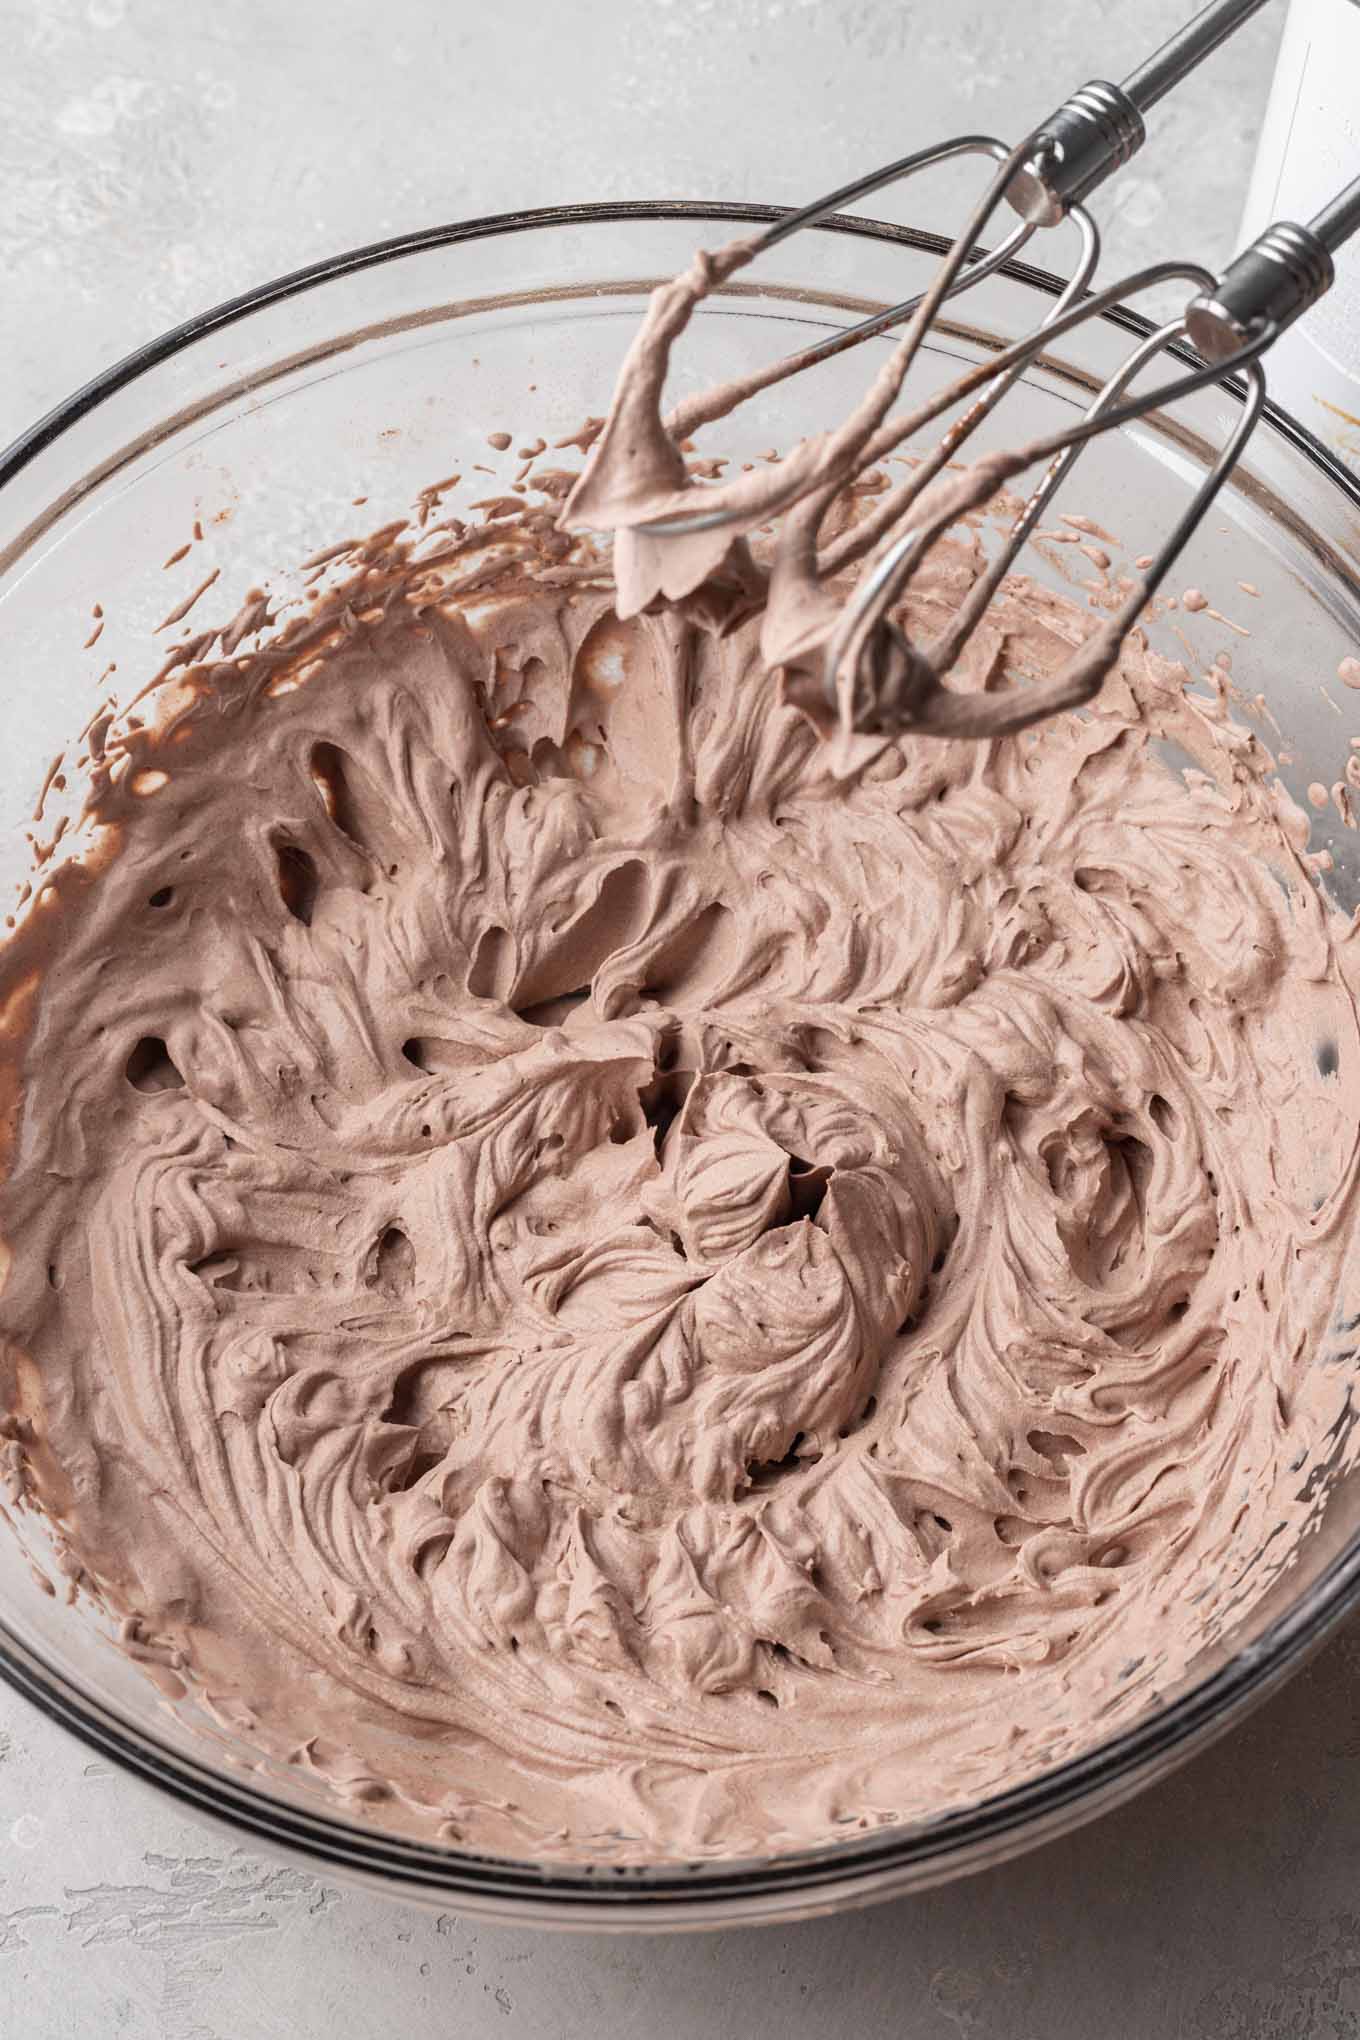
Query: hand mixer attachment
{"x": 880, "y": 680}
{"x": 850, "y": 654}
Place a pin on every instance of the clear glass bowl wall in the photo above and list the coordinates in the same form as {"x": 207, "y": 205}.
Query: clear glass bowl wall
{"x": 383, "y": 371}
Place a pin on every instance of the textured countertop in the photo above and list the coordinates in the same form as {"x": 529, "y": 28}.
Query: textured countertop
{"x": 157, "y": 155}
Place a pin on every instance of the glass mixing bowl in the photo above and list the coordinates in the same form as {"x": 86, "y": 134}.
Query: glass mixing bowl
{"x": 371, "y": 376}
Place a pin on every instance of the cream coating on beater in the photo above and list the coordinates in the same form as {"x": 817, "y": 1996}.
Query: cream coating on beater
{"x": 610, "y": 1289}
{"x": 637, "y": 483}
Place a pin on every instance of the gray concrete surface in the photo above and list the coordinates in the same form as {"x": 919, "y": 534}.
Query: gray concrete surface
{"x": 1221, "y": 1905}
{"x": 156, "y": 155}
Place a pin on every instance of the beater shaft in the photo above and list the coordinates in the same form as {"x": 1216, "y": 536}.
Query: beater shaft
{"x": 1274, "y": 281}
{"x": 1101, "y": 125}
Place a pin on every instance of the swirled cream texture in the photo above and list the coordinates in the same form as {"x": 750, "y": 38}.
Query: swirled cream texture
{"x": 610, "y": 1289}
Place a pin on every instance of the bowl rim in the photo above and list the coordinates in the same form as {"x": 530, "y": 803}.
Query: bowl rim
{"x": 706, "y": 1891}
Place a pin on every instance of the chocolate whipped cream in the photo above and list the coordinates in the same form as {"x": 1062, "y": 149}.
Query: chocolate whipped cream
{"x": 611, "y": 1285}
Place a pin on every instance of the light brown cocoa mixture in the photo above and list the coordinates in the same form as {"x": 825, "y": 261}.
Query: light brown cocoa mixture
{"x": 614, "y": 1285}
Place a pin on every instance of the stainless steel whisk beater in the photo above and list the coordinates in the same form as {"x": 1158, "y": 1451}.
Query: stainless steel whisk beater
{"x": 877, "y": 678}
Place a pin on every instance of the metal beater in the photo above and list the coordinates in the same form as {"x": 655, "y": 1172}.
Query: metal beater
{"x": 871, "y": 672}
